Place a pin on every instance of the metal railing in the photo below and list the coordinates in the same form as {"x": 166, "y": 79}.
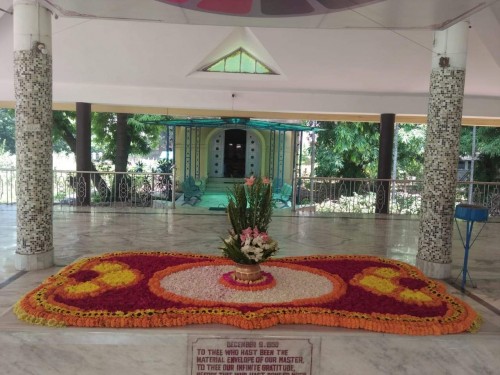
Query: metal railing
{"x": 351, "y": 195}
{"x": 485, "y": 194}
{"x": 7, "y": 186}
{"x": 357, "y": 195}
{"x": 317, "y": 194}
{"x": 106, "y": 189}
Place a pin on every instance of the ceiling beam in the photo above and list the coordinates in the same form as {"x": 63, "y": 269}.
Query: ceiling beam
{"x": 185, "y": 112}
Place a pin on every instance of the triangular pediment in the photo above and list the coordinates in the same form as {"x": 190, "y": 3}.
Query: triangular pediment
{"x": 242, "y": 54}
{"x": 239, "y": 61}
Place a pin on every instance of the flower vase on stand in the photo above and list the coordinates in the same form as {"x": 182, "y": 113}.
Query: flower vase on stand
{"x": 247, "y": 272}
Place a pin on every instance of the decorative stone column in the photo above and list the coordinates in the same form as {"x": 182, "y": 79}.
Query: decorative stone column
{"x": 33, "y": 91}
{"x": 441, "y": 151}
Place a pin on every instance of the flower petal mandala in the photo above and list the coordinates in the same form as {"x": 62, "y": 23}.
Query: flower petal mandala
{"x": 153, "y": 289}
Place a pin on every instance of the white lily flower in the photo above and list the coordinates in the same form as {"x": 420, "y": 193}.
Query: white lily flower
{"x": 247, "y": 249}
{"x": 258, "y": 241}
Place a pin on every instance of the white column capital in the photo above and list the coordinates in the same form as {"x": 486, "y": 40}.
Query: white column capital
{"x": 451, "y": 43}
{"x": 25, "y": 2}
{"x": 32, "y": 23}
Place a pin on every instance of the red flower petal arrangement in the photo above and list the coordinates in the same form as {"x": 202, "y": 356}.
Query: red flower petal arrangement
{"x": 143, "y": 289}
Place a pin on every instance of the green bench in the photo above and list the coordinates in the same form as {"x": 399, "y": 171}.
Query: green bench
{"x": 192, "y": 192}
{"x": 284, "y": 195}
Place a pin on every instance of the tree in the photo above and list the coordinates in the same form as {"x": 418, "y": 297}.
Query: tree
{"x": 123, "y": 142}
{"x": 7, "y": 130}
{"x": 411, "y": 145}
{"x": 115, "y": 135}
{"x": 347, "y": 149}
{"x": 350, "y": 149}
{"x": 63, "y": 131}
{"x": 119, "y": 135}
{"x": 488, "y": 149}
{"x": 133, "y": 134}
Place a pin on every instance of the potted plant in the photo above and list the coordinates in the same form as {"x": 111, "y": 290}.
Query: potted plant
{"x": 249, "y": 210}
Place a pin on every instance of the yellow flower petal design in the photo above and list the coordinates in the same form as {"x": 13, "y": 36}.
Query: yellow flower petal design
{"x": 409, "y": 294}
{"x": 85, "y": 287}
{"x": 106, "y": 267}
{"x": 118, "y": 278}
{"x": 386, "y": 272}
{"x": 380, "y": 284}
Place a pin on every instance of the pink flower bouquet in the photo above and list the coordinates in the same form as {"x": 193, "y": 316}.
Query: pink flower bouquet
{"x": 249, "y": 210}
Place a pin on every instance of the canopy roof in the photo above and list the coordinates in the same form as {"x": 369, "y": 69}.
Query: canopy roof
{"x": 317, "y": 14}
{"x": 336, "y": 61}
{"x": 231, "y": 122}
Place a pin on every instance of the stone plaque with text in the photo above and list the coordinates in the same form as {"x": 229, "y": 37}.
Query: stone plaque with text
{"x": 208, "y": 355}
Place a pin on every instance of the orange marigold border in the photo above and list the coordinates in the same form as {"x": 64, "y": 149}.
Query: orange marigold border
{"x": 36, "y": 308}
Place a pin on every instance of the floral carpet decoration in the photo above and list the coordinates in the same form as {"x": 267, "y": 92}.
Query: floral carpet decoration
{"x": 142, "y": 289}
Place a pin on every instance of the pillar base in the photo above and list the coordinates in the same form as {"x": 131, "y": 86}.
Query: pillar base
{"x": 32, "y": 262}
{"x": 434, "y": 270}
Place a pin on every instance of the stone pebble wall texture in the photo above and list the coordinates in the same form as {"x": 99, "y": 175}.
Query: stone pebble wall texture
{"x": 440, "y": 165}
{"x": 33, "y": 90}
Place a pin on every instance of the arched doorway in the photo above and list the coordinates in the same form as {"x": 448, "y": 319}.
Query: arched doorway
{"x": 234, "y": 153}
{"x": 235, "y": 144}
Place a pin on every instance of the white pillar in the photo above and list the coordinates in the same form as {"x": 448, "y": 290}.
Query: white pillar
{"x": 33, "y": 91}
{"x": 441, "y": 150}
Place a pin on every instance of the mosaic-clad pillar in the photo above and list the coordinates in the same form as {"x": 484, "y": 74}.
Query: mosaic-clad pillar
{"x": 33, "y": 91}
{"x": 441, "y": 151}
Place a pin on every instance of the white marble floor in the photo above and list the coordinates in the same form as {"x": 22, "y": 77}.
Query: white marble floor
{"x": 41, "y": 350}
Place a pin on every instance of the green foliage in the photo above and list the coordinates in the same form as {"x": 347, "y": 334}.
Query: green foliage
{"x": 250, "y": 205}
{"x": 164, "y": 166}
{"x": 487, "y": 141}
{"x": 7, "y": 130}
{"x": 406, "y": 204}
{"x": 249, "y": 210}
{"x": 103, "y": 134}
{"x": 232, "y": 250}
{"x": 143, "y": 137}
{"x": 347, "y": 149}
{"x": 487, "y": 167}
{"x": 253, "y": 252}
{"x": 403, "y": 203}
{"x": 138, "y": 167}
{"x": 61, "y": 120}
{"x": 350, "y": 150}
{"x": 411, "y": 145}
{"x": 64, "y": 124}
